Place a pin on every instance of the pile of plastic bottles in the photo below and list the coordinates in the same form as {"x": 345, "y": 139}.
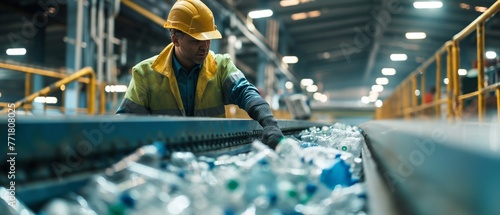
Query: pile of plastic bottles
{"x": 318, "y": 171}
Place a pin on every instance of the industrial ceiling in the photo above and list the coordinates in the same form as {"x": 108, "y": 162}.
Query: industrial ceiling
{"x": 342, "y": 45}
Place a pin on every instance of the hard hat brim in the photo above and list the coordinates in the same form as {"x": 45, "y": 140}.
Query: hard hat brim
{"x": 209, "y": 35}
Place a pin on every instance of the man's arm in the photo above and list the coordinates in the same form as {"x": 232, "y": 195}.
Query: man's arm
{"x": 247, "y": 97}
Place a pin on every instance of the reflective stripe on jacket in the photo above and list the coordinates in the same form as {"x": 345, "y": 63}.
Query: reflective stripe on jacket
{"x": 154, "y": 89}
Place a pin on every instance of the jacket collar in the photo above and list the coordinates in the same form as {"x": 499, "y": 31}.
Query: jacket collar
{"x": 163, "y": 65}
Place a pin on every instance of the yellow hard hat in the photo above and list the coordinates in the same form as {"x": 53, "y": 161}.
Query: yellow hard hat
{"x": 193, "y": 18}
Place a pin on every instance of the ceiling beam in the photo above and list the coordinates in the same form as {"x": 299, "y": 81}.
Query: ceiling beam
{"x": 320, "y": 26}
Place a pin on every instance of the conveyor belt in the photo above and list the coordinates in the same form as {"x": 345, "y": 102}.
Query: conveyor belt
{"x": 91, "y": 143}
{"x": 60, "y": 153}
{"x": 436, "y": 167}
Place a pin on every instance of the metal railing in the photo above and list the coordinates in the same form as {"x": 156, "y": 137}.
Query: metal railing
{"x": 64, "y": 79}
{"x": 403, "y": 102}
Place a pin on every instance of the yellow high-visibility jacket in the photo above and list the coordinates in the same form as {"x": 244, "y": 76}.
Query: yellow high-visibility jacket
{"x": 154, "y": 89}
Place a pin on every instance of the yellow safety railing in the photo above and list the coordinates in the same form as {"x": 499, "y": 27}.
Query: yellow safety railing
{"x": 65, "y": 79}
{"x": 403, "y": 103}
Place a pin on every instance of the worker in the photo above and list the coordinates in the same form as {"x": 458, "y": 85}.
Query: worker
{"x": 187, "y": 79}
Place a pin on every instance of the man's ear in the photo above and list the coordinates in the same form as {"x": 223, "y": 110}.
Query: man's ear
{"x": 175, "y": 40}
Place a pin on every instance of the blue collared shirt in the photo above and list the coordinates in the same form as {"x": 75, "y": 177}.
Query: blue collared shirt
{"x": 186, "y": 82}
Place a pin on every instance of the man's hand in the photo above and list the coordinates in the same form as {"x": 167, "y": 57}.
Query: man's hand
{"x": 271, "y": 136}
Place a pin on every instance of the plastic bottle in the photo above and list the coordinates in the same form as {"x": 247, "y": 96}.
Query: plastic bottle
{"x": 337, "y": 174}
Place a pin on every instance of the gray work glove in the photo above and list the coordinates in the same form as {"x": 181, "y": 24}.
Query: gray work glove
{"x": 271, "y": 135}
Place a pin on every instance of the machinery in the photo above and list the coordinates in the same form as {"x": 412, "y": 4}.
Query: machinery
{"x": 409, "y": 167}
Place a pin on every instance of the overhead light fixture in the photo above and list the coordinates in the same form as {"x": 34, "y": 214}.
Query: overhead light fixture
{"x": 417, "y": 92}
{"x": 324, "y": 98}
{"x": 465, "y": 6}
{"x": 446, "y": 81}
{"x": 377, "y": 88}
{"x": 415, "y": 35}
{"x": 290, "y": 59}
{"x": 305, "y": 15}
{"x": 379, "y": 103}
{"x": 314, "y": 13}
{"x": 16, "y": 51}
{"x": 365, "y": 100}
{"x": 480, "y": 9}
{"x": 256, "y": 14}
{"x": 306, "y": 82}
{"x": 491, "y": 55}
{"x": 46, "y": 99}
{"x": 115, "y": 88}
{"x": 62, "y": 87}
{"x": 288, "y": 3}
{"x": 382, "y": 81}
{"x": 462, "y": 72}
{"x": 399, "y": 57}
{"x": 289, "y": 85}
{"x": 388, "y": 71}
{"x": 373, "y": 96}
{"x": 299, "y": 16}
{"x": 312, "y": 88}
{"x": 427, "y": 4}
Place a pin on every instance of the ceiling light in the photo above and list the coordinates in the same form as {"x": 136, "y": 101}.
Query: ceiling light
{"x": 415, "y": 35}
{"x": 62, "y": 87}
{"x": 462, "y": 72}
{"x": 427, "y": 4}
{"x": 287, "y": 3}
{"x": 16, "y": 51}
{"x": 312, "y": 88}
{"x": 299, "y": 16}
{"x": 446, "y": 81}
{"x": 317, "y": 95}
{"x": 289, "y": 85}
{"x": 398, "y": 57}
{"x": 314, "y": 13}
{"x": 480, "y": 9}
{"x": 373, "y": 96}
{"x": 377, "y": 88}
{"x": 379, "y": 103}
{"x": 417, "y": 92}
{"x": 320, "y": 97}
{"x": 465, "y": 6}
{"x": 306, "y": 82}
{"x": 365, "y": 100}
{"x": 388, "y": 71}
{"x": 115, "y": 88}
{"x": 382, "y": 81}
{"x": 324, "y": 98}
{"x": 290, "y": 59}
{"x": 491, "y": 55}
{"x": 47, "y": 100}
{"x": 256, "y": 14}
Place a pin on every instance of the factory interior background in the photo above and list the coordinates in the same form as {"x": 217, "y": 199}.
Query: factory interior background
{"x": 420, "y": 79}
{"x": 344, "y": 59}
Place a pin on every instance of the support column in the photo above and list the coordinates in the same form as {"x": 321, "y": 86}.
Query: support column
{"x": 37, "y": 80}
{"x": 75, "y": 19}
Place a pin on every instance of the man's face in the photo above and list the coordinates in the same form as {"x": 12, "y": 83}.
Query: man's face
{"x": 190, "y": 50}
